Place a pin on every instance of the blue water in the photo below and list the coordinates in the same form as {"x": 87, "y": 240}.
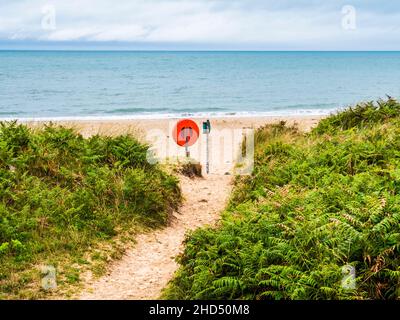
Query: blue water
{"x": 53, "y": 84}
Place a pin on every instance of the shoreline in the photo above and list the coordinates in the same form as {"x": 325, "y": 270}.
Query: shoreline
{"x": 143, "y": 117}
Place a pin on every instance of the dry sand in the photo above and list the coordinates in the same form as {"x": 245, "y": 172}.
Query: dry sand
{"x": 141, "y": 126}
{"x": 224, "y": 140}
{"x": 146, "y": 268}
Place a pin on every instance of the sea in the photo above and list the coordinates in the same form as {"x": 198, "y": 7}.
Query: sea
{"x": 67, "y": 85}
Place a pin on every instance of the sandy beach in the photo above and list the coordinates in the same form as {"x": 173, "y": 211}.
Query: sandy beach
{"x": 226, "y": 136}
{"x": 140, "y": 126}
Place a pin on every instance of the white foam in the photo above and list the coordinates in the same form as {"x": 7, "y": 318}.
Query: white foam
{"x": 156, "y": 116}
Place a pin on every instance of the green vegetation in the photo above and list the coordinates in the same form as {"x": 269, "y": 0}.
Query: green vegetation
{"x": 315, "y": 203}
{"x": 61, "y": 194}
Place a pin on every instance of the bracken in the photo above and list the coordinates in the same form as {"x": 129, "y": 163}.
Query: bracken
{"x": 315, "y": 203}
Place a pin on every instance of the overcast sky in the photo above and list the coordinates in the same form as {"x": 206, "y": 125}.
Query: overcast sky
{"x": 201, "y": 24}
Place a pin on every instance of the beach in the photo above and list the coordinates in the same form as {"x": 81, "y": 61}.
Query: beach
{"x": 225, "y": 139}
{"x": 140, "y": 126}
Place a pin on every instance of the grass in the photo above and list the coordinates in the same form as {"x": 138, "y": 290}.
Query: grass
{"x": 62, "y": 196}
{"x": 315, "y": 204}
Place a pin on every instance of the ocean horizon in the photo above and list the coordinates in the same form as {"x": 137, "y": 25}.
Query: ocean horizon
{"x": 68, "y": 85}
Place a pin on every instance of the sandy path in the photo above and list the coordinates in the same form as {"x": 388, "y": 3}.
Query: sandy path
{"x": 146, "y": 268}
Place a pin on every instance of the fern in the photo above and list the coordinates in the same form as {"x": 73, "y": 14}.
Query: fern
{"x": 315, "y": 203}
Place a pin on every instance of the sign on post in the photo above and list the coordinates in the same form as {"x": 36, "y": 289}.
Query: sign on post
{"x": 206, "y": 131}
{"x": 206, "y": 127}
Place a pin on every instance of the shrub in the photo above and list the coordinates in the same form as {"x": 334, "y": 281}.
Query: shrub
{"x": 60, "y": 194}
{"x": 363, "y": 114}
{"x": 315, "y": 204}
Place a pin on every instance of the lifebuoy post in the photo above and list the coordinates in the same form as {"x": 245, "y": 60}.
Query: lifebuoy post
{"x": 206, "y": 131}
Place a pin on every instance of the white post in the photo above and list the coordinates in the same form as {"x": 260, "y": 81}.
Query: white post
{"x": 207, "y": 155}
{"x": 206, "y": 131}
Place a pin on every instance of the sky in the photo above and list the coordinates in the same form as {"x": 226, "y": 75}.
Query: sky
{"x": 200, "y": 24}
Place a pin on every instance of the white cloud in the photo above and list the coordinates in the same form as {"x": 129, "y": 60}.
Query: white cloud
{"x": 246, "y": 22}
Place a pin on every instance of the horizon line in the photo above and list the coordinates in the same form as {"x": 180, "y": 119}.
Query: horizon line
{"x": 184, "y": 50}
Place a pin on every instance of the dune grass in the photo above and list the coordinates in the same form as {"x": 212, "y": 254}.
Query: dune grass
{"x": 316, "y": 205}
{"x": 61, "y": 195}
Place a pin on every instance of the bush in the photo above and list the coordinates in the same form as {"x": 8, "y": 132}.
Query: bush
{"x": 61, "y": 193}
{"x": 363, "y": 114}
{"x": 315, "y": 204}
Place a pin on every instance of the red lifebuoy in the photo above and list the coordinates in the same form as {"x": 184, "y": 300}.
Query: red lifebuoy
{"x": 185, "y": 132}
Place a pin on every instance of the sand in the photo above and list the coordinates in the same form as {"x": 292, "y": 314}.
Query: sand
{"x": 224, "y": 141}
{"x": 146, "y": 268}
{"x": 114, "y": 127}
